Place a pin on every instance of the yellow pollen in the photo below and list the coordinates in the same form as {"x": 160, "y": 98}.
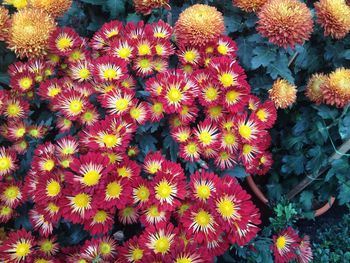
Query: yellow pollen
{"x": 52, "y": 207}
{"x": 137, "y": 254}
{"x": 124, "y": 52}
{"x": 100, "y": 216}
{"x": 174, "y": 95}
{"x": 191, "y": 148}
{"x": 91, "y": 178}
{"x": 84, "y": 73}
{"x": 281, "y": 242}
{"x": 105, "y": 248}
{"x": 122, "y": 104}
{"x": 163, "y": 189}
{"x": 159, "y": 35}
{"x": 53, "y": 92}
{"x": 109, "y": 140}
{"x": 183, "y": 260}
{"x": 143, "y": 193}
{"x": 5, "y": 211}
{"x": 232, "y": 96}
{"x": 112, "y": 33}
{"x": 135, "y": 113}
{"x": 20, "y": 132}
{"x": 153, "y": 211}
{"x": 203, "y": 218}
{"x": 22, "y": 250}
{"x": 48, "y": 165}
{"x": 159, "y": 50}
{"x": 153, "y": 168}
{"x": 144, "y": 63}
{"x": 5, "y": 163}
{"x": 64, "y": 43}
{"x": 205, "y": 137}
{"x": 229, "y": 139}
{"x": 144, "y": 50}
{"x": 114, "y": 189}
{"x": 76, "y": 55}
{"x": 222, "y": 49}
{"x": 123, "y": 172}
{"x": 247, "y": 149}
{"x": 13, "y": 110}
{"x": 190, "y": 56}
{"x": 227, "y": 79}
{"x": 46, "y": 246}
{"x": 211, "y": 93}
{"x": 162, "y": 245}
{"x": 261, "y": 115}
{"x": 245, "y": 131}
{"x": 183, "y": 137}
{"x": 25, "y": 83}
{"x": 203, "y": 191}
{"x": 53, "y": 188}
{"x": 75, "y": 106}
{"x": 110, "y": 74}
{"x": 82, "y": 200}
{"x": 158, "y": 107}
{"x": 226, "y": 208}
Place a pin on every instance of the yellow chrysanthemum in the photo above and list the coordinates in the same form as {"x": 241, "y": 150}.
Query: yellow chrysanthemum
{"x": 53, "y": 7}
{"x": 19, "y": 4}
{"x": 29, "y": 32}
{"x": 334, "y": 17}
{"x": 4, "y": 23}
{"x": 282, "y": 93}
{"x": 336, "y": 89}
{"x": 314, "y": 88}
{"x": 285, "y": 22}
{"x": 249, "y": 5}
{"x": 199, "y": 25}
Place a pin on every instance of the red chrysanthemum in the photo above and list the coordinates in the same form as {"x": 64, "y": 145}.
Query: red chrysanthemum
{"x": 203, "y": 186}
{"x": 285, "y": 22}
{"x": 131, "y": 251}
{"x": 100, "y": 222}
{"x": 109, "y": 69}
{"x": 64, "y": 40}
{"x": 285, "y": 245}
{"x": 304, "y": 254}
{"x": 40, "y": 224}
{"x": 8, "y": 161}
{"x": 265, "y": 114}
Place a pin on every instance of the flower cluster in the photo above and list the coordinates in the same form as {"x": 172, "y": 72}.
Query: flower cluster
{"x": 87, "y": 96}
{"x": 288, "y": 246}
{"x": 332, "y": 89}
{"x": 145, "y": 7}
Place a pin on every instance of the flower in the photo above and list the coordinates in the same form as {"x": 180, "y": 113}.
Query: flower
{"x": 265, "y": 114}
{"x": 63, "y": 41}
{"x": 19, "y": 4}
{"x": 304, "y": 254}
{"x": 285, "y": 22}
{"x": 4, "y": 23}
{"x": 39, "y": 223}
{"x": 131, "y": 251}
{"x": 54, "y": 7}
{"x": 48, "y": 246}
{"x": 285, "y": 245}
{"x": 314, "y": 87}
{"x": 18, "y": 246}
{"x": 207, "y": 134}
{"x": 282, "y": 93}
{"x": 8, "y": 160}
{"x": 145, "y": 6}
{"x": 199, "y": 25}
{"x": 336, "y": 89}
{"x": 249, "y": 5}
{"x": 109, "y": 69}
{"x": 29, "y": 33}
{"x": 334, "y": 17}
{"x": 99, "y": 223}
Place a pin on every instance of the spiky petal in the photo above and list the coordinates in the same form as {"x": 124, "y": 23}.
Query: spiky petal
{"x": 282, "y": 93}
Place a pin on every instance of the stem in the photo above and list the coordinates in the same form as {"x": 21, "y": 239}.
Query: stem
{"x": 293, "y": 58}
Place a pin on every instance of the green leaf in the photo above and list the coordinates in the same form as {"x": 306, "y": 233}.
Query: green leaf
{"x": 133, "y": 17}
{"x": 94, "y": 2}
{"x": 293, "y": 164}
{"x": 237, "y": 171}
{"x": 306, "y": 198}
{"x": 339, "y": 167}
{"x": 344, "y": 128}
{"x": 4, "y": 78}
{"x": 233, "y": 23}
{"x": 344, "y": 193}
{"x": 279, "y": 68}
{"x": 263, "y": 56}
{"x": 326, "y": 112}
{"x": 116, "y": 8}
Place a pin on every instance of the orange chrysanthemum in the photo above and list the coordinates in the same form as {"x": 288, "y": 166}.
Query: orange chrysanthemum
{"x": 199, "y": 25}
{"x": 55, "y": 8}
{"x": 334, "y": 17}
{"x": 282, "y": 93}
{"x": 29, "y": 32}
{"x": 336, "y": 89}
{"x": 285, "y": 22}
{"x": 314, "y": 88}
{"x": 4, "y": 23}
{"x": 249, "y": 5}
{"x": 145, "y": 6}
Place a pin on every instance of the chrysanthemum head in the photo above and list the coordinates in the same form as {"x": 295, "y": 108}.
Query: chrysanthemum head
{"x": 336, "y": 89}
{"x": 54, "y": 7}
{"x": 314, "y": 88}
{"x": 249, "y": 5}
{"x": 282, "y": 93}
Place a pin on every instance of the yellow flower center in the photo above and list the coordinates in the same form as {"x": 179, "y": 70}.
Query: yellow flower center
{"x": 135, "y": 113}
{"x": 189, "y": 56}
{"x": 158, "y": 107}
{"x": 247, "y": 149}
{"x": 153, "y": 211}
{"x": 53, "y": 92}
{"x": 46, "y": 246}
{"x": 105, "y": 248}
{"x": 5, "y": 211}
{"x": 174, "y": 95}
{"x": 222, "y": 49}
{"x": 34, "y": 132}
{"x": 124, "y": 52}
{"x": 53, "y": 188}
{"x": 25, "y": 83}
{"x": 143, "y": 193}
{"x": 123, "y": 172}
{"x": 144, "y": 49}
{"x": 205, "y": 137}
{"x": 52, "y": 207}
{"x": 5, "y": 163}
{"x": 183, "y": 137}
{"x": 183, "y": 260}
{"x": 211, "y": 93}
{"x": 48, "y": 165}
{"x": 75, "y": 106}
{"x": 122, "y": 104}
{"x": 109, "y": 140}
{"x": 245, "y": 131}
{"x": 91, "y": 178}
{"x": 76, "y": 55}
{"x": 22, "y": 250}
{"x": 20, "y": 132}
{"x": 215, "y": 111}
{"x": 281, "y": 242}
{"x": 144, "y": 63}
{"x": 84, "y": 73}
{"x": 203, "y": 191}
{"x": 191, "y": 148}
{"x": 163, "y": 189}
{"x": 41, "y": 260}
{"x": 227, "y": 80}
{"x": 12, "y": 192}
{"x": 13, "y": 110}
{"x": 110, "y": 74}
{"x": 82, "y": 200}
{"x": 226, "y": 208}
{"x": 261, "y": 115}
{"x": 159, "y": 50}
{"x": 114, "y": 189}
{"x": 153, "y": 168}
{"x": 63, "y": 43}
{"x": 88, "y": 116}
{"x": 203, "y": 218}
{"x": 137, "y": 254}
{"x": 232, "y": 96}
{"x": 100, "y": 216}
{"x": 162, "y": 245}
{"x": 229, "y": 139}
{"x": 159, "y": 35}
{"x": 19, "y": 4}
